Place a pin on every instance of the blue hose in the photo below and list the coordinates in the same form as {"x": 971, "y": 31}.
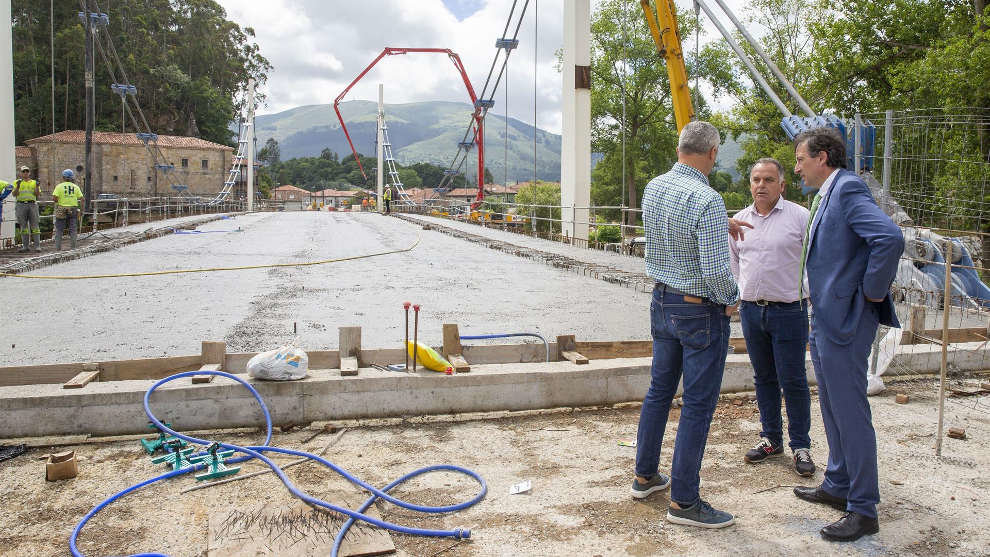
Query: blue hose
{"x": 255, "y": 452}
{"x": 508, "y": 335}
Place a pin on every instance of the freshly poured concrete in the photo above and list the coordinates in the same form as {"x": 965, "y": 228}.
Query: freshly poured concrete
{"x": 455, "y": 281}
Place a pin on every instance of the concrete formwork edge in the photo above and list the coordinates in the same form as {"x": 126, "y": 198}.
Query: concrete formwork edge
{"x": 116, "y": 407}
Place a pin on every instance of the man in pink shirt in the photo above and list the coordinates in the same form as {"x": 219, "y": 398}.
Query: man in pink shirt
{"x": 774, "y": 313}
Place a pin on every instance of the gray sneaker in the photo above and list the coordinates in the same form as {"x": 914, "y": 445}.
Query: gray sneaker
{"x": 659, "y": 482}
{"x": 700, "y": 514}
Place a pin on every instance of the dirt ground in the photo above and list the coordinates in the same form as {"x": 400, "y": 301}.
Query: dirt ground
{"x": 579, "y": 503}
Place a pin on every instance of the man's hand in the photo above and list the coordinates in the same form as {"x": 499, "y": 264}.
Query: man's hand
{"x": 729, "y": 310}
{"x": 736, "y": 229}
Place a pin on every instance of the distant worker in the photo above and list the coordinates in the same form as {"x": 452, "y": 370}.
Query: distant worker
{"x": 26, "y": 193}
{"x": 68, "y": 198}
{"x": 364, "y": 204}
{"x": 687, "y": 254}
{"x": 5, "y": 190}
{"x": 774, "y": 313}
{"x": 388, "y": 200}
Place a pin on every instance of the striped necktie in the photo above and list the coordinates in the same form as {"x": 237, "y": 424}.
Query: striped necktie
{"x": 807, "y": 238}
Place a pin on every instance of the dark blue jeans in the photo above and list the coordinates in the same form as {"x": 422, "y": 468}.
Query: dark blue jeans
{"x": 689, "y": 340}
{"x": 776, "y": 338}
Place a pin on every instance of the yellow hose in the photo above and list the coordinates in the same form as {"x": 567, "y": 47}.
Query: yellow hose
{"x": 212, "y": 269}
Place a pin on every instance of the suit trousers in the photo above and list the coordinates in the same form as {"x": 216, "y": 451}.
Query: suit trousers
{"x": 841, "y": 370}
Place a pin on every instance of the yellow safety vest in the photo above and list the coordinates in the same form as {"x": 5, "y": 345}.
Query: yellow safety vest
{"x": 28, "y": 190}
{"x": 68, "y": 194}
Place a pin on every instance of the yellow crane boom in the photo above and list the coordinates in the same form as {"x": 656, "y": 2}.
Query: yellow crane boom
{"x": 663, "y": 27}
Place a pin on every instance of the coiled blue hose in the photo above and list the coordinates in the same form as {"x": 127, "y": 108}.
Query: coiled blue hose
{"x": 508, "y": 335}
{"x": 255, "y": 452}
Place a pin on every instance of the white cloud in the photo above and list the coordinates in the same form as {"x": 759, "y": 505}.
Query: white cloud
{"x": 317, "y": 47}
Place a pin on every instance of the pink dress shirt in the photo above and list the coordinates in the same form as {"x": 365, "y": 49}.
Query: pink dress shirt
{"x": 767, "y": 263}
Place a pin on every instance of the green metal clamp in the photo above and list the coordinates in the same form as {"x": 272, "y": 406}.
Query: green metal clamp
{"x": 175, "y": 456}
{"x": 213, "y": 460}
{"x": 151, "y": 446}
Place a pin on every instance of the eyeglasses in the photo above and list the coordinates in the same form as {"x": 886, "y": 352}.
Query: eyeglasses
{"x": 25, "y": 171}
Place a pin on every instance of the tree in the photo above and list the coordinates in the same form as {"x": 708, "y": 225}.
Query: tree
{"x": 187, "y": 60}
{"x": 541, "y": 201}
{"x": 649, "y": 134}
{"x": 270, "y": 153}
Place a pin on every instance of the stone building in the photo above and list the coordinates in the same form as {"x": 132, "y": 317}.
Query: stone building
{"x": 122, "y": 165}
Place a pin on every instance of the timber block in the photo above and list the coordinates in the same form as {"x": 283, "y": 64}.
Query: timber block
{"x": 452, "y": 349}
{"x": 198, "y": 379}
{"x": 567, "y": 350}
{"x": 348, "y": 366}
{"x": 350, "y": 350}
{"x": 81, "y": 379}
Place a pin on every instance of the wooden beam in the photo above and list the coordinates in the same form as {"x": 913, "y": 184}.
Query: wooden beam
{"x": 452, "y": 349}
{"x": 81, "y": 379}
{"x": 350, "y": 350}
{"x": 916, "y": 325}
{"x": 213, "y": 352}
{"x": 567, "y": 350}
{"x": 198, "y": 379}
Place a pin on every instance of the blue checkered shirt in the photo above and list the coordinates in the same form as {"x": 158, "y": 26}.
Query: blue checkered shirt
{"x": 687, "y": 235}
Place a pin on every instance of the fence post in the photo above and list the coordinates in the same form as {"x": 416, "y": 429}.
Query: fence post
{"x": 888, "y": 150}
{"x": 946, "y": 304}
{"x": 858, "y": 127}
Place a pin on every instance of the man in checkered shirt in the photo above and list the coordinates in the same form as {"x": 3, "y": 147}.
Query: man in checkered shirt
{"x": 687, "y": 253}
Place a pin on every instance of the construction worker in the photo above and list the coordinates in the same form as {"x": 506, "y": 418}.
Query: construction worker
{"x": 26, "y": 193}
{"x": 68, "y": 198}
{"x": 387, "y": 196}
{"x": 5, "y": 190}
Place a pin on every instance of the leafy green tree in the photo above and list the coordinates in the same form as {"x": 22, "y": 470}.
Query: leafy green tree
{"x": 621, "y": 38}
{"x": 187, "y": 60}
{"x": 270, "y": 154}
{"x": 542, "y": 202}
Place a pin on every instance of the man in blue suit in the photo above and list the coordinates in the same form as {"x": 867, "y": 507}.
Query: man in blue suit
{"x": 851, "y": 255}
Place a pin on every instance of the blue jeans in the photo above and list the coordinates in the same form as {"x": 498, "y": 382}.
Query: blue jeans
{"x": 776, "y": 337}
{"x": 690, "y": 340}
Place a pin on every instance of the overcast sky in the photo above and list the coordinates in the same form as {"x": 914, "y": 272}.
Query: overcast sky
{"x": 318, "y": 46}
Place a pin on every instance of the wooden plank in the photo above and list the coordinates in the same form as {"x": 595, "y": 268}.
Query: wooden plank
{"x": 149, "y": 368}
{"x": 459, "y": 364}
{"x": 966, "y": 334}
{"x": 293, "y": 530}
{"x": 916, "y": 324}
{"x": 451, "y": 341}
{"x": 213, "y": 352}
{"x": 601, "y": 350}
{"x": 573, "y": 357}
{"x": 81, "y": 379}
{"x": 348, "y": 366}
{"x": 198, "y": 379}
{"x": 350, "y": 350}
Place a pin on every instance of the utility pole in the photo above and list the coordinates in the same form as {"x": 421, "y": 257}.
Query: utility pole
{"x": 6, "y": 113}
{"x": 381, "y": 148}
{"x": 250, "y": 145}
{"x": 90, "y": 109}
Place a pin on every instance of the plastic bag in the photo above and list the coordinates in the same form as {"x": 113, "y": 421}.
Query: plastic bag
{"x": 284, "y": 364}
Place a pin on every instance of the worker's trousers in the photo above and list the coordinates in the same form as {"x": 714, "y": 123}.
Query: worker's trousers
{"x": 70, "y": 214}
{"x": 27, "y": 223}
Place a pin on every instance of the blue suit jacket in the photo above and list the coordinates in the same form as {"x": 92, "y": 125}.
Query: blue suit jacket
{"x": 853, "y": 255}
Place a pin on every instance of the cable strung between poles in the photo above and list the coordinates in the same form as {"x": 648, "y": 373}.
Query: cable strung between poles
{"x": 214, "y": 269}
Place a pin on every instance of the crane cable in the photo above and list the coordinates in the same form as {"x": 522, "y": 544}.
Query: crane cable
{"x": 215, "y": 269}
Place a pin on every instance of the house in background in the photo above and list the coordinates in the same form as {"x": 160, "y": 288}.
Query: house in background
{"x": 123, "y": 166}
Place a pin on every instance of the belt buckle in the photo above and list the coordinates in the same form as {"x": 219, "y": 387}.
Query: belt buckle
{"x": 762, "y": 303}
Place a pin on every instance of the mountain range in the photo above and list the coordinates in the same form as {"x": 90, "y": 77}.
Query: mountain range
{"x": 428, "y": 132}
{"x": 418, "y": 132}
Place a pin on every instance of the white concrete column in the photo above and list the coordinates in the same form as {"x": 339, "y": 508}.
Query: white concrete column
{"x": 7, "y": 171}
{"x": 575, "y": 156}
{"x": 250, "y": 146}
{"x": 381, "y": 148}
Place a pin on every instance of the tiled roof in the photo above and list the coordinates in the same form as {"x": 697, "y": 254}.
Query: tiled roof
{"x": 335, "y": 193}
{"x": 462, "y": 192}
{"x": 287, "y": 187}
{"x": 22, "y": 151}
{"x": 116, "y": 138}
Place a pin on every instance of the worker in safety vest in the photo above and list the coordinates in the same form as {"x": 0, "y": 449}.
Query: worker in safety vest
{"x": 388, "y": 200}
{"x": 68, "y": 198}
{"x": 5, "y": 190}
{"x": 26, "y": 194}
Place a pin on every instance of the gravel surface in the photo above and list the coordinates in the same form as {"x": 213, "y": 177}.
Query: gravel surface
{"x": 455, "y": 282}
{"x": 579, "y": 503}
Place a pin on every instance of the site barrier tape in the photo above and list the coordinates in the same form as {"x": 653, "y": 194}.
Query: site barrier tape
{"x": 215, "y": 269}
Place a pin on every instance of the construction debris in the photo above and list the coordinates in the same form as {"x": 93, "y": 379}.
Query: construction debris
{"x": 61, "y": 466}
{"x": 902, "y": 398}
{"x": 957, "y": 433}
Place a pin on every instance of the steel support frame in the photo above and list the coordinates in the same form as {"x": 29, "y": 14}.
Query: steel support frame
{"x": 479, "y": 125}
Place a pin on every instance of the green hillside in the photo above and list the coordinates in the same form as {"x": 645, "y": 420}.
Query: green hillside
{"x": 419, "y": 132}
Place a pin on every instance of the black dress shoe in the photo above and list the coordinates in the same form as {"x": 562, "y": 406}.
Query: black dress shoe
{"x": 819, "y": 495}
{"x": 850, "y": 528}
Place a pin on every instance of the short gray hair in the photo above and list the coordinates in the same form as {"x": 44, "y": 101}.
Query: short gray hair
{"x": 698, "y": 138}
{"x": 769, "y": 160}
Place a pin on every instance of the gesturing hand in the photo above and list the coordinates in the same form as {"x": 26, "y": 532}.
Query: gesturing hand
{"x": 736, "y": 229}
